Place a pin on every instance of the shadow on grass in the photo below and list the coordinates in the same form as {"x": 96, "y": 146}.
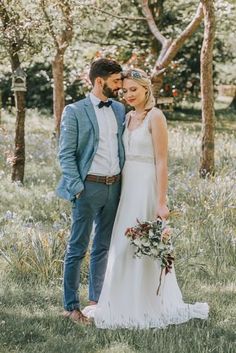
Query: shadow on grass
{"x": 26, "y": 328}
{"x": 48, "y": 332}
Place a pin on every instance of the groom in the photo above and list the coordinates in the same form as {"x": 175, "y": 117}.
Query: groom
{"x": 91, "y": 157}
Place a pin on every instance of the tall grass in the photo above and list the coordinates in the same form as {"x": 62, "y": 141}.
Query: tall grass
{"x": 34, "y": 226}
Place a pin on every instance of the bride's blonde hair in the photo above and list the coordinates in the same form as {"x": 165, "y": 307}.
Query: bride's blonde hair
{"x": 143, "y": 80}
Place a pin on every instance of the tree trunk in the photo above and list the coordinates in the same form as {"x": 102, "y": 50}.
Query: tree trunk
{"x": 208, "y": 113}
{"x": 0, "y": 107}
{"x": 18, "y": 165}
{"x": 58, "y": 89}
{"x": 157, "y": 83}
{"x": 62, "y": 40}
{"x": 13, "y": 47}
{"x": 233, "y": 103}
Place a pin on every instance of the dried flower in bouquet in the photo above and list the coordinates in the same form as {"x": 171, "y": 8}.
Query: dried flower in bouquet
{"x": 153, "y": 238}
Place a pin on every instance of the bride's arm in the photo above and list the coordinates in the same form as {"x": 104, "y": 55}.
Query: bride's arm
{"x": 158, "y": 127}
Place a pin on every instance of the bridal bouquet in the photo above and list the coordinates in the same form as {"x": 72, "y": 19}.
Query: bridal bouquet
{"x": 152, "y": 238}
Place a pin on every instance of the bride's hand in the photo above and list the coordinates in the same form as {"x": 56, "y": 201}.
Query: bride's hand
{"x": 162, "y": 211}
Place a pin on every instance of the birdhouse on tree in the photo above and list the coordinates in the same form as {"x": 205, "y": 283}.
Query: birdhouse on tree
{"x": 19, "y": 80}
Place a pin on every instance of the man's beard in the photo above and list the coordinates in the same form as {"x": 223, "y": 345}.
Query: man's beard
{"x": 108, "y": 92}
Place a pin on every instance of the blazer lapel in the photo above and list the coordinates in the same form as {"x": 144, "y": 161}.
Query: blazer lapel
{"x": 92, "y": 116}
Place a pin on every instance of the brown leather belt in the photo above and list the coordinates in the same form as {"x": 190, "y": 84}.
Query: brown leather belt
{"x": 108, "y": 180}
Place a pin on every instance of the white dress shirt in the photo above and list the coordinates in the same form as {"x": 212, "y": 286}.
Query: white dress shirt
{"x": 106, "y": 159}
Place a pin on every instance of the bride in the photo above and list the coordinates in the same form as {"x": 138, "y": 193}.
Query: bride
{"x": 128, "y": 298}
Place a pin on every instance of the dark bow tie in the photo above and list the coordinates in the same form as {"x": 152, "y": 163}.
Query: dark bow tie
{"x": 104, "y": 104}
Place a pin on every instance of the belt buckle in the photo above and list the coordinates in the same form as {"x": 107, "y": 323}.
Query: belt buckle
{"x": 107, "y": 182}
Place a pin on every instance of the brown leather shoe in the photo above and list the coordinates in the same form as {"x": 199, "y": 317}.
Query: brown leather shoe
{"x": 77, "y": 316}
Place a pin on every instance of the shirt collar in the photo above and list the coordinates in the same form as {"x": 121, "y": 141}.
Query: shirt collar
{"x": 95, "y": 100}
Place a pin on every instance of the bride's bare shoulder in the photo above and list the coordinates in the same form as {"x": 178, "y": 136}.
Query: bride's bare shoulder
{"x": 157, "y": 115}
{"x": 157, "y": 112}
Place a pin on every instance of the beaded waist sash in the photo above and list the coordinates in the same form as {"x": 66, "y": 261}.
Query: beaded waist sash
{"x": 138, "y": 158}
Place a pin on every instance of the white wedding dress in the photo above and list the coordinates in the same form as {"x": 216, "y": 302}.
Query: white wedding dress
{"x": 128, "y": 298}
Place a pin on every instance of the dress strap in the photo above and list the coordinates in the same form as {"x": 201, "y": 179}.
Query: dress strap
{"x": 145, "y": 122}
{"x": 147, "y": 118}
{"x": 127, "y": 119}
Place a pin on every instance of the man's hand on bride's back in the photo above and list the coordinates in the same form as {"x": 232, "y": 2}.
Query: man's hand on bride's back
{"x": 162, "y": 211}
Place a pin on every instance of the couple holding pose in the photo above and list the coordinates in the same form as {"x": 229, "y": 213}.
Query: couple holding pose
{"x": 114, "y": 171}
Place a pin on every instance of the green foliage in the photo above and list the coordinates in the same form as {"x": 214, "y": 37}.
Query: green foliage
{"x": 131, "y": 42}
{"x": 110, "y": 29}
{"x": 36, "y": 255}
{"x": 39, "y": 87}
{"x": 20, "y": 31}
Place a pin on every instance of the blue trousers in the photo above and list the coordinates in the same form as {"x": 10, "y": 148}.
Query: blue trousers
{"x": 97, "y": 203}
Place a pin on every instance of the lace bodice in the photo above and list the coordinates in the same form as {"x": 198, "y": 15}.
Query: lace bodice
{"x": 138, "y": 142}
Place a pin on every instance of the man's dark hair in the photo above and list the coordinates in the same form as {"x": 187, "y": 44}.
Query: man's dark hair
{"x": 103, "y": 68}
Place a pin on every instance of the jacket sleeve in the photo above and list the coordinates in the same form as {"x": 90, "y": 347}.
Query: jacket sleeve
{"x": 68, "y": 145}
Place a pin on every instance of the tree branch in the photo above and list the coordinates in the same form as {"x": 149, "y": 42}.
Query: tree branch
{"x": 49, "y": 22}
{"x": 67, "y": 33}
{"x": 174, "y": 47}
{"x": 105, "y": 44}
{"x": 134, "y": 18}
{"x": 151, "y": 23}
{"x": 13, "y": 46}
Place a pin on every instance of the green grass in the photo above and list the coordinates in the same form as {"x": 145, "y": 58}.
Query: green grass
{"x": 34, "y": 225}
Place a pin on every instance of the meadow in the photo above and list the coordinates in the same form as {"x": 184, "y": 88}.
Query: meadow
{"x": 34, "y": 226}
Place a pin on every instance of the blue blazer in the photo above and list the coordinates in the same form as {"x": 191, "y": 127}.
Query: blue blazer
{"x": 79, "y": 142}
